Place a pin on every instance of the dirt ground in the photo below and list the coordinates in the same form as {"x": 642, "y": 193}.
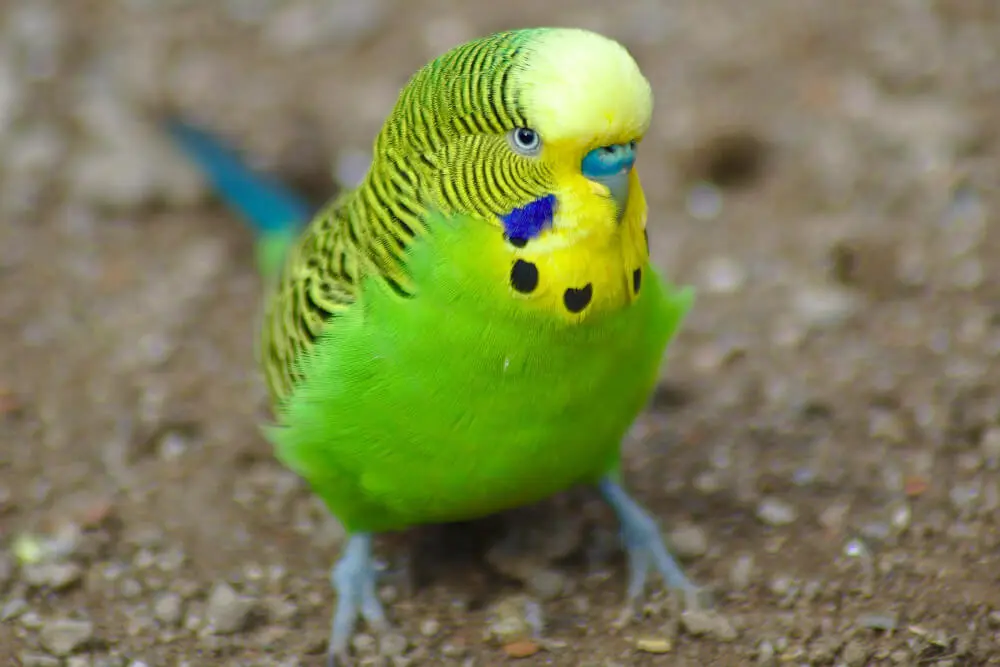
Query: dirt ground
{"x": 825, "y": 447}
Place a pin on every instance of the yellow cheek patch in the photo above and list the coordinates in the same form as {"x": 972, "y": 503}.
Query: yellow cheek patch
{"x": 587, "y": 265}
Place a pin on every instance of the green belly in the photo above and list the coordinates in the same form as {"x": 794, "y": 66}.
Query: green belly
{"x": 452, "y": 406}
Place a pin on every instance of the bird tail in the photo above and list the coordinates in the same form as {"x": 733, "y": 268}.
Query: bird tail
{"x": 273, "y": 211}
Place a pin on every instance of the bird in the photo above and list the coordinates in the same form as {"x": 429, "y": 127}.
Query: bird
{"x": 477, "y": 324}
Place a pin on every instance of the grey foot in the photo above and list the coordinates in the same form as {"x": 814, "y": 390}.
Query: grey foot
{"x": 647, "y": 551}
{"x": 354, "y": 579}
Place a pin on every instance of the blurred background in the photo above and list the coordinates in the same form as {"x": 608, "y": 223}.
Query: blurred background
{"x": 823, "y": 450}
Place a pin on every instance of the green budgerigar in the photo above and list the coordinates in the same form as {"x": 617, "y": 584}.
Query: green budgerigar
{"x": 477, "y": 324}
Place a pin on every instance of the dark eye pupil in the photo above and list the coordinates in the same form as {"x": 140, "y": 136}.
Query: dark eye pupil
{"x": 526, "y": 137}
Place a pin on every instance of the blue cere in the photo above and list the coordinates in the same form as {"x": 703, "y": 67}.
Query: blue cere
{"x": 608, "y": 161}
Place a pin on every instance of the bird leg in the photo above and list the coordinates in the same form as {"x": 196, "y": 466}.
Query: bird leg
{"x": 646, "y": 549}
{"x": 353, "y": 577}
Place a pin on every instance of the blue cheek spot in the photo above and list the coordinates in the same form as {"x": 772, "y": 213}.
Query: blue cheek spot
{"x": 528, "y": 221}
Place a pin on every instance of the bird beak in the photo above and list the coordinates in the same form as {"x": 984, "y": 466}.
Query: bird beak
{"x": 611, "y": 166}
{"x": 619, "y": 186}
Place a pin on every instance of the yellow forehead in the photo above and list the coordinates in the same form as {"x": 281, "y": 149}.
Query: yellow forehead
{"x": 580, "y": 87}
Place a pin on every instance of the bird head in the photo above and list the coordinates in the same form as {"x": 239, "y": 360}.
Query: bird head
{"x": 535, "y": 130}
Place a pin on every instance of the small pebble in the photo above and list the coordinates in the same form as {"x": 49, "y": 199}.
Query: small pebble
{"x": 709, "y": 482}
{"x": 39, "y": 660}
{"x": 766, "y": 654}
{"x": 171, "y": 560}
{"x": 688, "y": 541}
{"x": 522, "y": 649}
{"x": 168, "y": 609}
{"x": 965, "y": 495}
{"x": 513, "y": 619}
{"x": 900, "y": 516}
{"x": 886, "y": 425}
{"x": 56, "y": 576}
{"x": 227, "y": 612}
{"x": 741, "y": 573}
{"x": 13, "y": 608}
{"x": 130, "y": 589}
{"x": 453, "y": 649}
{"x": 79, "y": 661}
{"x": 989, "y": 445}
{"x": 654, "y": 645}
{"x": 364, "y": 644}
{"x": 173, "y": 445}
{"x": 969, "y": 462}
{"x": 776, "y": 512}
{"x": 782, "y": 585}
{"x": 883, "y": 622}
{"x": 833, "y": 516}
{"x": 854, "y": 653}
{"x": 63, "y": 636}
{"x": 901, "y": 657}
{"x": 429, "y": 627}
{"x": 812, "y": 590}
{"x": 823, "y": 650}
{"x": 708, "y": 624}
{"x": 32, "y": 620}
{"x": 392, "y": 645}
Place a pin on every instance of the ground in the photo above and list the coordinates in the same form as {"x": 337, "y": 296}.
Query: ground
{"x": 824, "y": 448}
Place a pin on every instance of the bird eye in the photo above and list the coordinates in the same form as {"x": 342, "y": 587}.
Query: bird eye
{"x": 525, "y": 141}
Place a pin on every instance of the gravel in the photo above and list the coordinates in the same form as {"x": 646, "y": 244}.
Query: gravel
{"x": 64, "y": 636}
{"x": 831, "y": 428}
{"x": 514, "y": 618}
{"x": 653, "y": 645}
{"x": 688, "y": 542}
{"x": 169, "y": 609}
{"x": 776, "y": 512}
{"x": 56, "y": 576}
{"x": 227, "y": 612}
{"x": 854, "y": 653}
{"x": 741, "y": 573}
{"x": 708, "y": 624}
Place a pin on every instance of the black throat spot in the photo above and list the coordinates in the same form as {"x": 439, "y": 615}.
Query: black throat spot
{"x": 576, "y": 299}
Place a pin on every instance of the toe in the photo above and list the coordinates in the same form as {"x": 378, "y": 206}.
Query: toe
{"x": 374, "y": 614}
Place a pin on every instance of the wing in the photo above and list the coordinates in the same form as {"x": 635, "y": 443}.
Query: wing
{"x": 362, "y": 234}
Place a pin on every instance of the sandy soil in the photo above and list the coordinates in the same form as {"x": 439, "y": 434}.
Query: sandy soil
{"x": 825, "y": 446}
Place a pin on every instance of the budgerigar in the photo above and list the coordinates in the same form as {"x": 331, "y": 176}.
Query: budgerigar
{"x": 476, "y": 326}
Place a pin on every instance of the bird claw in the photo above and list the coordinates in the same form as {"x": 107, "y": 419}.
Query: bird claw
{"x": 647, "y": 552}
{"x": 353, "y": 577}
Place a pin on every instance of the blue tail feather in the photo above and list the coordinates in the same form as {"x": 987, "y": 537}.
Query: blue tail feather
{"x": 268, "y": 206}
